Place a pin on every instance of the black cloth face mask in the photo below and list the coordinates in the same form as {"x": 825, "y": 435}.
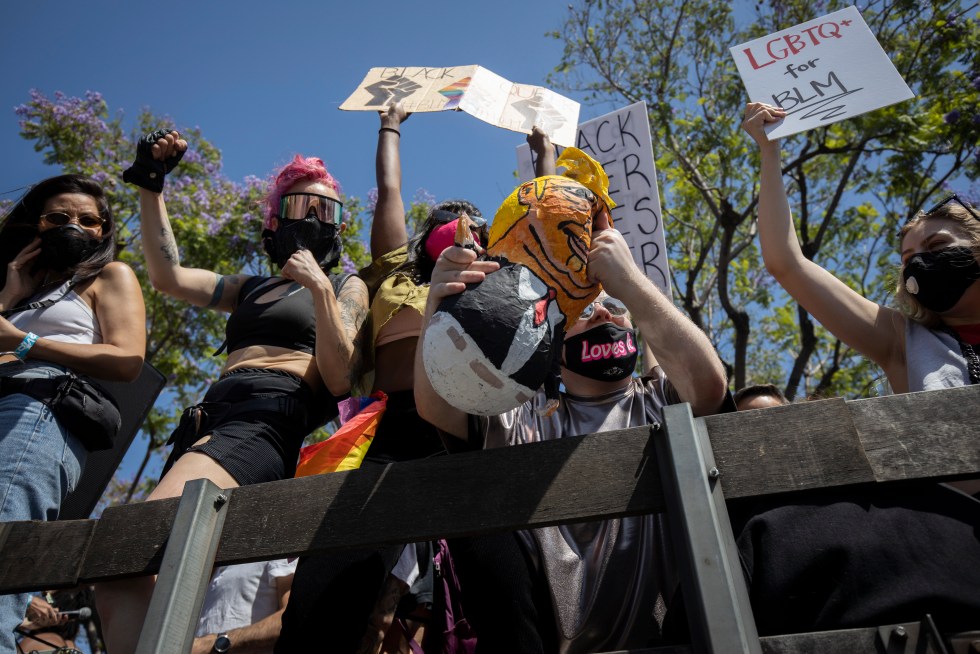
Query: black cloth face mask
{"x": 308, "y": 234}
{"x": 939, "y": 279}
{"x": 65, "y": 247}
{"x": 606, "y": 352}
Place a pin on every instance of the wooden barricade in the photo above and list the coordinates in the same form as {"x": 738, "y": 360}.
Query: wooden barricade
{"x": 688, "y": 469}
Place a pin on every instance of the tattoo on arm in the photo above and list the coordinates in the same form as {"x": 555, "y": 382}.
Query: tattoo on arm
{"x": 219, "y": 287}
{"x": 383, "y": 614}
{"x": 353, "y": 312}
{"x": 169, "y": 246}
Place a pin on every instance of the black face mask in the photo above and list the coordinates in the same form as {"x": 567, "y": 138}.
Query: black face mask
{"x": 63, "y": 248}
{"x": 606, "y": 352}
{"x": 939, "y": 279}
{"x": 309, "y": 234}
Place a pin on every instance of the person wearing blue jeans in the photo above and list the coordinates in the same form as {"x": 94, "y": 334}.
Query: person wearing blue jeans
{"x": 66, "y": 308}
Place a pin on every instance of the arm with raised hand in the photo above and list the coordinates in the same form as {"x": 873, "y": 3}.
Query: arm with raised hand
{"x": 157, "y": 154}
{"x": 544, "y": 152}
{"x": 875, "y": 331}
{"x": 388, "y": 230}
{"x": 671, "y": 339}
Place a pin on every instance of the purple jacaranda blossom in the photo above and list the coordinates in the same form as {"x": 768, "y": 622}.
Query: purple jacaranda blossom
{"x": 372, "y": 200}
{"x": 347, "y": 264}
{"x": 422, "y": 196}
{"x": 213, "y": 225}
{"x": 952, "y": 116}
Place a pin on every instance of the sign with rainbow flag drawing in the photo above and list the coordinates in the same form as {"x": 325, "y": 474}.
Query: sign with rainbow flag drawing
{"x": 473, "y": 89}
{"x": 825, "y": 70}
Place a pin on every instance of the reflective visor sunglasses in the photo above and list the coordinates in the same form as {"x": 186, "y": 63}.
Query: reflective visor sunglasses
{"x": 615, "y": 308}
{"x": 300, "y": 206}
{"x": 60, "y": 219}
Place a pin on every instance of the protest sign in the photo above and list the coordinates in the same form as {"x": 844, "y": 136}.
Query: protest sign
{"x": 473, "y": 89}
{"x": 621, "y": 142}
{"x": 820, "y": 72}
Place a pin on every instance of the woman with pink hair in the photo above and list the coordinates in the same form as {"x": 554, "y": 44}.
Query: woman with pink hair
{"x": 292, "y": 341}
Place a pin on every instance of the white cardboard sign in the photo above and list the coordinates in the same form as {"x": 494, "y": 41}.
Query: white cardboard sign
{"x": 621, "y": 142}
{"x": 822, "y": 71}
{"x": 473, "y": 89}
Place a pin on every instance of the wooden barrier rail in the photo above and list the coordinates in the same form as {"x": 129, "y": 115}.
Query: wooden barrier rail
{"x": 614, "y": 474}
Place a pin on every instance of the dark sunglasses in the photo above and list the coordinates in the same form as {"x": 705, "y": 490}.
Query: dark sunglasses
{"x": 300, "y": 206}
{"x": 59, "y": 219}
{"x": 442, "y": 217}
{"x": 952, "y": 198}
{"x": 615, "y": 308}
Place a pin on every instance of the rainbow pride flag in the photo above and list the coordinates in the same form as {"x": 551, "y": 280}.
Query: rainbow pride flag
{"x": 346, "y": 448}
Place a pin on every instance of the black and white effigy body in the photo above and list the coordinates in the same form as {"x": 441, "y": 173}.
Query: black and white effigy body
{"x": 493, "y": 346}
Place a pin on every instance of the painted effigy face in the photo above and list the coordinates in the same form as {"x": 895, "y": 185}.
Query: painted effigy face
{"x": 546, "y": 224}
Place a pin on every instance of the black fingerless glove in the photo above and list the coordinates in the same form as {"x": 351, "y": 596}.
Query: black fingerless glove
{"x": 146, "y": 171}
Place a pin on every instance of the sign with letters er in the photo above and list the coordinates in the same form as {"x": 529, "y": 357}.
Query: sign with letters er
{"x": 621, "y": 142}
{"x": 820, "y": 72}
{"x": 473, "y": 89}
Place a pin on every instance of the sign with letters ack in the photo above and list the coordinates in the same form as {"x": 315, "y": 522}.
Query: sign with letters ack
{"x": 820, "y": 72}
{"x": 621, "y": 142}
{"x": 473, "y": 89}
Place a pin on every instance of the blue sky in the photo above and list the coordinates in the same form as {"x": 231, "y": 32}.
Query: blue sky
{"x": 263, "y": 80}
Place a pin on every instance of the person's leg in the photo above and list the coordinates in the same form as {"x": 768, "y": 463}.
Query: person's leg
{"x": 504, "y": 600}
{"x": 40, "y": 463}
{"x": 332, "y": 600}
{"x": 122, "y": 604}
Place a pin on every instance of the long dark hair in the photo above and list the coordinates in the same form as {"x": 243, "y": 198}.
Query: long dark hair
{"x": 19, "y": 226}
{"x": 419, "y": 261}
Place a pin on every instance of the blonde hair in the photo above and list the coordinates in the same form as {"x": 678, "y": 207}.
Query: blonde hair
{"x": 970, "y": 225}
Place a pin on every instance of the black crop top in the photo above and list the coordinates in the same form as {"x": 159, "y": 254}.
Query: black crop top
{"x": 288, "y": 322}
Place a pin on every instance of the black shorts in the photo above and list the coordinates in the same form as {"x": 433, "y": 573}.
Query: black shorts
{"x": 402, "y": 434}
{"x": 257, "y": 420}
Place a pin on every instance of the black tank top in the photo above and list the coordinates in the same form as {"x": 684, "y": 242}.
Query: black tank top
{"x": 288, "y": 322}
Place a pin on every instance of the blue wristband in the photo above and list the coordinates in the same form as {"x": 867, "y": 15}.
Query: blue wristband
{"x": 25, "y": 346}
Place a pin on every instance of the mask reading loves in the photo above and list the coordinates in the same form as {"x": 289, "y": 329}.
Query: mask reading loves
{"x": 606, "y": 353}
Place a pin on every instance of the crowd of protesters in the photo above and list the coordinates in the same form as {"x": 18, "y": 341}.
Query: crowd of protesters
{"x": 301, "y": 341}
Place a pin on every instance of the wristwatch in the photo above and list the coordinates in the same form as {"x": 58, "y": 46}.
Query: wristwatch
{"x": 222, "y": 644}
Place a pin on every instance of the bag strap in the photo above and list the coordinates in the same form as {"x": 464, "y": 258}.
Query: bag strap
{"x": 41, "y": 304}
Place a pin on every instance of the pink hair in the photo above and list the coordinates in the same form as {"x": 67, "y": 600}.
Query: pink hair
{"x": 298, "y": 170}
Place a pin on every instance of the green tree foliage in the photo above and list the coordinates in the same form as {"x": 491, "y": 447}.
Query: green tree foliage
{"x": 217, "y": 224}
{"x": 851, "y": 184}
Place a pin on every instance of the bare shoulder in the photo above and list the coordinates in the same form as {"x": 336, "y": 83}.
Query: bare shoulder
{"x": 117, "y": 272}
{"x": 115, "y": 285}
{"x": 115, "y": 278}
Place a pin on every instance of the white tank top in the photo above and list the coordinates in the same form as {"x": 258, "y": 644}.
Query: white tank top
{"x": 69, "y": 320}
{"x": 933, "y": 359}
